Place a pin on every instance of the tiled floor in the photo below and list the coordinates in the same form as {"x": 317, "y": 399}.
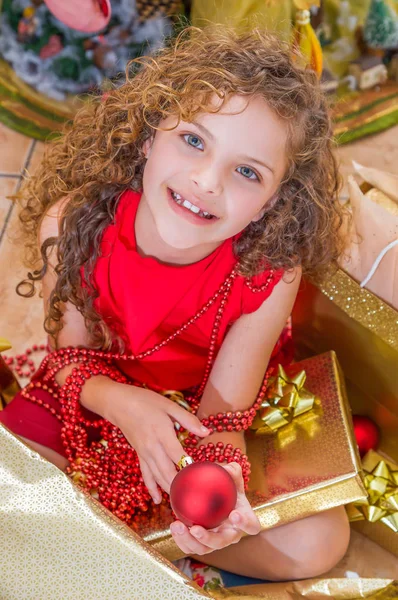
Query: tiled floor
{"x": 21, "y": 318}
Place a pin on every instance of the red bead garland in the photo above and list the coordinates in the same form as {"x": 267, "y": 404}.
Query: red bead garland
{"x": 220, "y": 452}
{"x": 20, "y": 360}
{"x": 109, "y": 468}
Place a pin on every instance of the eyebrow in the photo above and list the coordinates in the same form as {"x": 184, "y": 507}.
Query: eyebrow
{"x": 204, "y": 130}
{"x": 259, "y": 162}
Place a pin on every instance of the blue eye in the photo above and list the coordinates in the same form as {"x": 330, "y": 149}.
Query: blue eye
{"x": 248, "y": 173}
{"x": 193, "y": 140}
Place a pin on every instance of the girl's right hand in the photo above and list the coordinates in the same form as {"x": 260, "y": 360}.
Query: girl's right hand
{"x": 147, "y": 422}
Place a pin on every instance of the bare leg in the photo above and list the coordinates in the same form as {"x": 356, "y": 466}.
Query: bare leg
{"x": 299, "y": 550}
{"x": 57, "y": 459}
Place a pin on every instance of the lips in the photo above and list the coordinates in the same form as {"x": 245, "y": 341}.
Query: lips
{"x": 193, "y": 208}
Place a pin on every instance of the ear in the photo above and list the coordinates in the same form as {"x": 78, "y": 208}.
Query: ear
{"x": 147, "y": 147}
{"x": 267, "y": 206}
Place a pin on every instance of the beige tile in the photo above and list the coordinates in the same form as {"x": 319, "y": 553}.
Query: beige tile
{"x": 36, "y": 157}
{"x": 7, "y": 187}
{"x": 14, "y": 150}
{"x": 21, "y": 319}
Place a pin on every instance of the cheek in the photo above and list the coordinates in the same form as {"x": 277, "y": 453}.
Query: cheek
{"x": 248, "y": 203}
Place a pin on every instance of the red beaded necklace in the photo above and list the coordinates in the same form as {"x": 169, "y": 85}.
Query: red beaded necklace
{"x": 109, "y": 468}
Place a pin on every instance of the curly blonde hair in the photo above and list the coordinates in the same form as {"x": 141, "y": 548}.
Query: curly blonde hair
{"x": 101, "y": 155}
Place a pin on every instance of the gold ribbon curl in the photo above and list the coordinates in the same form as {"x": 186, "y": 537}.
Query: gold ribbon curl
{"x": 382, "y": 503}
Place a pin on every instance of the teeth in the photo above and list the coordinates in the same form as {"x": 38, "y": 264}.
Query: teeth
{"x": 195, "y": 209}
{"x": 177, "y": 197}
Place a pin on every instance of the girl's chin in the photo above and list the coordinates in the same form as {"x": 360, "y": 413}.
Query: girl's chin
{"x": 178, "y": 243}
{"x": 177, "y": 237}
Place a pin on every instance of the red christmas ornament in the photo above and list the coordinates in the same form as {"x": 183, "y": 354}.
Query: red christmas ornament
{"x": 203, "y": 494}
{"x": 366, "y": 434}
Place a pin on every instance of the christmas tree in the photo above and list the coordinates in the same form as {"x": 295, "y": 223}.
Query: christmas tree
{"x": 381, "y": 26}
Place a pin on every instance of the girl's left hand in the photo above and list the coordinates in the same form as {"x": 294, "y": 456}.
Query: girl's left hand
{"x": 242, "y": 520}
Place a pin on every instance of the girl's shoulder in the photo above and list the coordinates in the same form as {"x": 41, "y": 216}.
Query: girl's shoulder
{"x": 255, "y": 290}
{"x": 49, "y": 226}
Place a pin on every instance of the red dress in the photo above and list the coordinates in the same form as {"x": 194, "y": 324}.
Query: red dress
{"x": 145, "y": 301}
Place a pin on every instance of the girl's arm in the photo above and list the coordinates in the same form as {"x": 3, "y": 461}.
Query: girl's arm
{"x": 234, "y": 382}
{"x": 241, "y": 363}
{"x": 74, "y": 331}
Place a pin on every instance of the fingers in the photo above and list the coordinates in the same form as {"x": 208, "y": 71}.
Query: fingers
{"x": 150, "y": 482}
{"x": 216, "y": 540}
{"x": 188, "y": 420}
{"x": 163, "y": 467}
{"x": 174, "y": 449}
{"x": 245, "y": 520}
{"x": 187, "y": 542}
{"x": 235, "y": 470}
{"x": 243, "y": 517}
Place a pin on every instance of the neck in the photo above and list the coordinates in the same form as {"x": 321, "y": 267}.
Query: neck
{"x": 149, "y": 243}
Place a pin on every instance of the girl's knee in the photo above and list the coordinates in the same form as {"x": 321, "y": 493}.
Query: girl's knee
{"x": 311, "y": 546}
{"x": 326, "y": 542}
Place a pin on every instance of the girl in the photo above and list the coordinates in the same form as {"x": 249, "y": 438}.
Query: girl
{"x": 175, "y": 219}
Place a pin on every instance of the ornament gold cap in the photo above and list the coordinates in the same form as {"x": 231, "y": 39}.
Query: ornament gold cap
{"x": 185, "y": 461}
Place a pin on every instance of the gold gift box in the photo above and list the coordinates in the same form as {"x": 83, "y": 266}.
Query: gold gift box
{"x": 363, "y": 331}
{"x": 306, "y": 467}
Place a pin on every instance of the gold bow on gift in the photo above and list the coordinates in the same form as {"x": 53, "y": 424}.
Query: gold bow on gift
{"x": 4, "y": 344}
{"x": 8, "y": 384}
{"x": 286, "y": 399}
{"x": 382, "y": 503}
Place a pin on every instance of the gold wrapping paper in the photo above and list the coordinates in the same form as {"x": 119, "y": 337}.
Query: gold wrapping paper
{"x": 377, "y": 518}
{"x": 58, "y": 543}
{"x": 315, "y": 589}
{"x": 304, "y": 468}
{"x": 363, "y": 331}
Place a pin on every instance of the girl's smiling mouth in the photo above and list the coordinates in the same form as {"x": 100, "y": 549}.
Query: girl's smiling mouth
{"x": 188, "y": 208}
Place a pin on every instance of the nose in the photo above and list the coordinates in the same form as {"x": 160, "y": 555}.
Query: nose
{"x": 207, "y": 178}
